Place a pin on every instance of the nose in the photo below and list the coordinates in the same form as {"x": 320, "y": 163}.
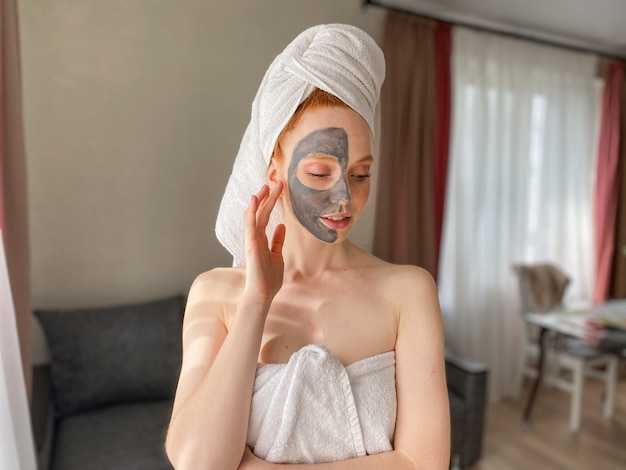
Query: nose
{"x": 340, "y": 193}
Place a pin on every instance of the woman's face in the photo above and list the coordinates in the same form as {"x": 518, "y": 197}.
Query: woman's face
{"x": 327, "y": 160}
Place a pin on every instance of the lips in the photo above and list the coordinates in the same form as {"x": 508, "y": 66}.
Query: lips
{"x": 336, "y": 221}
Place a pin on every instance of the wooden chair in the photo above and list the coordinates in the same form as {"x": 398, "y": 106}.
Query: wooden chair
{"x": 568, "y": 360}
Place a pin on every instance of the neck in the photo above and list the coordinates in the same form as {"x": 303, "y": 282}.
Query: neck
{"x": 309, "y": 257}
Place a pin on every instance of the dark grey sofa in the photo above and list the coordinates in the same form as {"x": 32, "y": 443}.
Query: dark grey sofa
{"x": 467, "y": 391}
{"x": 104, "y": 401}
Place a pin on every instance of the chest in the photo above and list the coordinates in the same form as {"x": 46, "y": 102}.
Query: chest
{"x": 353, "y": 323}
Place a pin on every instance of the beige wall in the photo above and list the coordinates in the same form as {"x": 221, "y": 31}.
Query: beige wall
{"x": 133, "y": 115}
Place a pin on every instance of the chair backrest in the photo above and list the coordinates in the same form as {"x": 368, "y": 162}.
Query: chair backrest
{"x": 541, "y": 286}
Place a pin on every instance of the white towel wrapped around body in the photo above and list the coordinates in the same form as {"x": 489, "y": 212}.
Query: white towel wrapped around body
{"x": 315, "y": 410}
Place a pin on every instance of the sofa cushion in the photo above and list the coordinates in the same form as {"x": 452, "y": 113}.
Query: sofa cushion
{"x": 114, "y": 354}
{"x": 128, "y": 436}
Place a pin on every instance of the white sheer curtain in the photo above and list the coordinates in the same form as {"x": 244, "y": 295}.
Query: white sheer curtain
{"x": 16, "y": 441}
{"x": 519, "y": 188}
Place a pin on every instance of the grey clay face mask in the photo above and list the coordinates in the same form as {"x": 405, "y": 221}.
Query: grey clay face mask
{"x": 310, "y": 204}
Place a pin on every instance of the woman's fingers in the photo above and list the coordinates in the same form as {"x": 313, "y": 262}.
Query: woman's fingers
{"x": 257, "y": 214}
{"x": 256, "y": 201}
{"x": 249, "y": 215}
{"x": 278, "y": 240}
{"x": 263, "y": 192}
{"x": 264, "y": 264}
{"x": 267, "y": 201}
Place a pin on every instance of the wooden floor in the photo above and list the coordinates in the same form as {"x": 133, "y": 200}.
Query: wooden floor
{"x": 600, "y": 444}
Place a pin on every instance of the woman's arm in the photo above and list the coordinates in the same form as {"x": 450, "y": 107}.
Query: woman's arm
{"x": 422, "y": 435}
{"x": 393, "y": 460}
{"x": 210, "y": 415}
{"x": 423, "y": 424}
{"x": 209, "y": 421}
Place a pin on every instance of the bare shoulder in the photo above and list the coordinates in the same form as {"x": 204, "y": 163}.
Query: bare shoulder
{"x": 225, "y": 281}
{"x": 400, "y": 277}
{"x": 215, "y": 291}
{"x": 406, "y": 283}
{"x": 411, "y": 275}
{"x": 412, "y": 289}
{"x": 419, "y": 312}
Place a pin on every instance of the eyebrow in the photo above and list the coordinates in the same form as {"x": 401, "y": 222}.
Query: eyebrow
{"x": 319, "y": 156}
{"x": 325, "y": 156}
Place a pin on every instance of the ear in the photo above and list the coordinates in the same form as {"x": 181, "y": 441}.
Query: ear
{"x": 273, "y": 174}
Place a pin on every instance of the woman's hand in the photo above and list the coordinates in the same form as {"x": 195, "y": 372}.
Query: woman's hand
{"x": 264, "y": 262}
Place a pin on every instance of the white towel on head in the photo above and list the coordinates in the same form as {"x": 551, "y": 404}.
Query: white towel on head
{"x": 315, "y": 410}
{"x": 339, "y": 59}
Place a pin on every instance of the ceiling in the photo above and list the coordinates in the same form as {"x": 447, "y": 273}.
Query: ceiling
{"x": 598, "y": 25}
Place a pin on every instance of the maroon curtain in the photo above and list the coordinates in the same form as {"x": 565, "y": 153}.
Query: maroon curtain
{"x": 443, "y": 106}
{"x": 13, "y": 204}
{"x": 607, "y": 183}
{"x": 414, "y": 140}
{"x": 618, "y": 275}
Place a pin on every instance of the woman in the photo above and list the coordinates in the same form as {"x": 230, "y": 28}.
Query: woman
{"x": 314, "y": 351}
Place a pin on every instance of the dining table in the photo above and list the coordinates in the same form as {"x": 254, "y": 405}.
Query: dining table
{"x": 601, "y": 326}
